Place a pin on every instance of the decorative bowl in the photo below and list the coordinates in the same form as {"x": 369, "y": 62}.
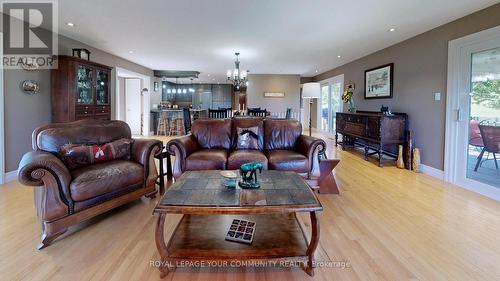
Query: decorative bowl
{"x": 228, "y": 179}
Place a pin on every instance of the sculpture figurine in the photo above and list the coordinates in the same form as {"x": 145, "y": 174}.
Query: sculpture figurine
{"x": 248, "y": 174}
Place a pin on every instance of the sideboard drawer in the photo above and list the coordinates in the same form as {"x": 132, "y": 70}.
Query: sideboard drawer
{"x": 355, "y": 119}
{"x": 102, "y": 109}
{"x": 354, "y": 128}
{"x": 89, "y": 110}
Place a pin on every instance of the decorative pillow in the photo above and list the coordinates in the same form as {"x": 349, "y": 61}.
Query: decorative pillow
{"x": 78, "y": 155}
{"x": 248, "y": 138}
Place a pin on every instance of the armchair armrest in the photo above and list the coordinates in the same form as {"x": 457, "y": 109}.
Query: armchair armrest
{"x": 312, "y": 148}
{"x": 39, "y": 168}
{"x": 143, "y": 152}
{"x": 182, "y": 147}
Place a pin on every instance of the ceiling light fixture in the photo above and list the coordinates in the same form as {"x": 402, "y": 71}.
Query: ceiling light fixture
{"x": 237, "y": 77}
{"x": 316, "y": 71}
{"x": 130, "y": 52}
{"x": 392, "y": 29}
{"x": 70, "y": 24}
{"x": 339, "y": 56}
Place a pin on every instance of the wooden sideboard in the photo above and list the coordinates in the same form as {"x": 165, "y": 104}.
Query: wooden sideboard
{"x": 377, "y": 133}
{"x": 81, "y": 89}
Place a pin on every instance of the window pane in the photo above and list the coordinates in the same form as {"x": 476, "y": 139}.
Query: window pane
{"x": 324, "y": 108}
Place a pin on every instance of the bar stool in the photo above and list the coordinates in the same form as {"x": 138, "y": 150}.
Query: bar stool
{"x": 163, "y": 125}
{"x": 177, "y": 127}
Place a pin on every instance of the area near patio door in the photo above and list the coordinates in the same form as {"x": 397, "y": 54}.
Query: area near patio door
{"x": 473, "y": 113}
{"x": 484, "y": 125}
{"x": 330, "y": 103}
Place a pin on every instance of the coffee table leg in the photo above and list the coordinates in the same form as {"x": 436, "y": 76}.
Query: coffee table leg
{"x": 161, "y": 246}
{"x": 313, "y": 244}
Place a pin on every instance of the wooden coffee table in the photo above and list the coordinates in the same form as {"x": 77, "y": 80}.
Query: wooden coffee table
{"x": 209, "y": 209}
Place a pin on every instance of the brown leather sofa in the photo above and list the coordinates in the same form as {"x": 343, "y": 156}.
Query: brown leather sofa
{"x": 70, "y": 196}
{"x": 212, "y": 146}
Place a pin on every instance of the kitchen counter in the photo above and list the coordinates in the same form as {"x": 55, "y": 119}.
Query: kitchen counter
{"x": 174, "y": 113}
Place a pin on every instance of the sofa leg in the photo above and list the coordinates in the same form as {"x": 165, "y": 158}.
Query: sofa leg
{"x": 48, "y": 237}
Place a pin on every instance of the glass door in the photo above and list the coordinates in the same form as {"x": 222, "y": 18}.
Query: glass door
{"x": 483, "y": 150}
{"x": 472, "y": 148}
{"x": 330, "y": 103}
{"x": 84, "y": 93}
{"x": 335, "y": 103}
{"x": 325, "y": 108}
{"x": 102, "y": 87}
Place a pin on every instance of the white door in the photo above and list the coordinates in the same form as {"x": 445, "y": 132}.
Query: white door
{"x": 330, "y": 102}
{"x": 473, "y": 113}
{"x": 133, "y": 104}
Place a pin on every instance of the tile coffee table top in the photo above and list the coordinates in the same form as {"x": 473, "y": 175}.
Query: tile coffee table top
{"x": 203, "y": 188}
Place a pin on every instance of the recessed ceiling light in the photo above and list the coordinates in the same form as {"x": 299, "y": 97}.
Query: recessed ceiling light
{"x": 392, "y": 29}
{"x": 130, "y": 52}
{"x": 316, "y": 71}
{"x": 339, "y": 56}
{"x": 208, "y": 75}
{"x": 70, "y": 24}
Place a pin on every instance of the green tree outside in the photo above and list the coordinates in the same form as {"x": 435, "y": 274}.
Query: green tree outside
{"x": 486, "y": 93}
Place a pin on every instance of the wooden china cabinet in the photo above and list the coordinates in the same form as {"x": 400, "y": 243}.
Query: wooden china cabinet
{"x": 81, "y": 89}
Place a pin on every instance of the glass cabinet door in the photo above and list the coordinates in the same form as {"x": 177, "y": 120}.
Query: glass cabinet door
{"x": 102, "y": 87}
{"x": 84, "y": 85}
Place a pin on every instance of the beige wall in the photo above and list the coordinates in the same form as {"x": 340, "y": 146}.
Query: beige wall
{"x": 260, "y": 83}
{"x": 420, "y": 70}
{"x": 23, "y": 113}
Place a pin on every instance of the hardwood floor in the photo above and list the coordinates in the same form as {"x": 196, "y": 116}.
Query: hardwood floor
{"x": 388, "y": 224}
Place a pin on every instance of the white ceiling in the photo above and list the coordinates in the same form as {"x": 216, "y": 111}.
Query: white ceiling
{"x": 273, "y": 36}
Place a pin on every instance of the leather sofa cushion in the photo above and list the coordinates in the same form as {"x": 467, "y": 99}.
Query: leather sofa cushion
{"x": 53, "y": 136}
{"x": 281, "y": 133}
{"x": 207, "y": 159}
{"x": 212, "y": 133}
{"x": 239, "y": 157}
{"x": 102, "y": 178}
{"x": 79, "y": 155}
{"x": 287, "y": 160}
{"x": 248, "y": 122}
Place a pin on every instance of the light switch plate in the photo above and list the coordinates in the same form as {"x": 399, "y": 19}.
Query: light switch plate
{"x": 437, "y": 96}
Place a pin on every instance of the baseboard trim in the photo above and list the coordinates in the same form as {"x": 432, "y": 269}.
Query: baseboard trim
{"x": 428, "y": 170}
{"x": 10, "y": 176}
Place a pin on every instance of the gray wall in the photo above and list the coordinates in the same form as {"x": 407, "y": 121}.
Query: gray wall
{"x": 23, "y": 113}
{"x": 260, "y": 83}
{"x": 420, "y": 70}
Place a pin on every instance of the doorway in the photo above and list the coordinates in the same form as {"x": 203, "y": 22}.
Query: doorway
{"x": 133, "y": 100}
{"x": 472, "y": 156}
{"x": 330, "y": 103}
{"x": 133, "y": 104}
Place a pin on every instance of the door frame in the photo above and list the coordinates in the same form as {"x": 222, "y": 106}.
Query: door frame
{"x": 2, "y": 116}
{"x": 335, "y": 79}
{"x": 458, "y": 75}
{"x": 146, "y": 107}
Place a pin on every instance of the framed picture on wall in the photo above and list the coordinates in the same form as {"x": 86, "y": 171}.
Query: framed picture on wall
{"x": 274, "y": 94}
{"x": 378, "y": 82}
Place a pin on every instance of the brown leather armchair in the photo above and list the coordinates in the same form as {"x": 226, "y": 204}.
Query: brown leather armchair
{"x": 71, "y": 196}
{"x": 212, "y": 146}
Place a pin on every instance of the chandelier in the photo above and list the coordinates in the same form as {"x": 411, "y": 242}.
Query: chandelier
{"x": 236, "y": 76}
